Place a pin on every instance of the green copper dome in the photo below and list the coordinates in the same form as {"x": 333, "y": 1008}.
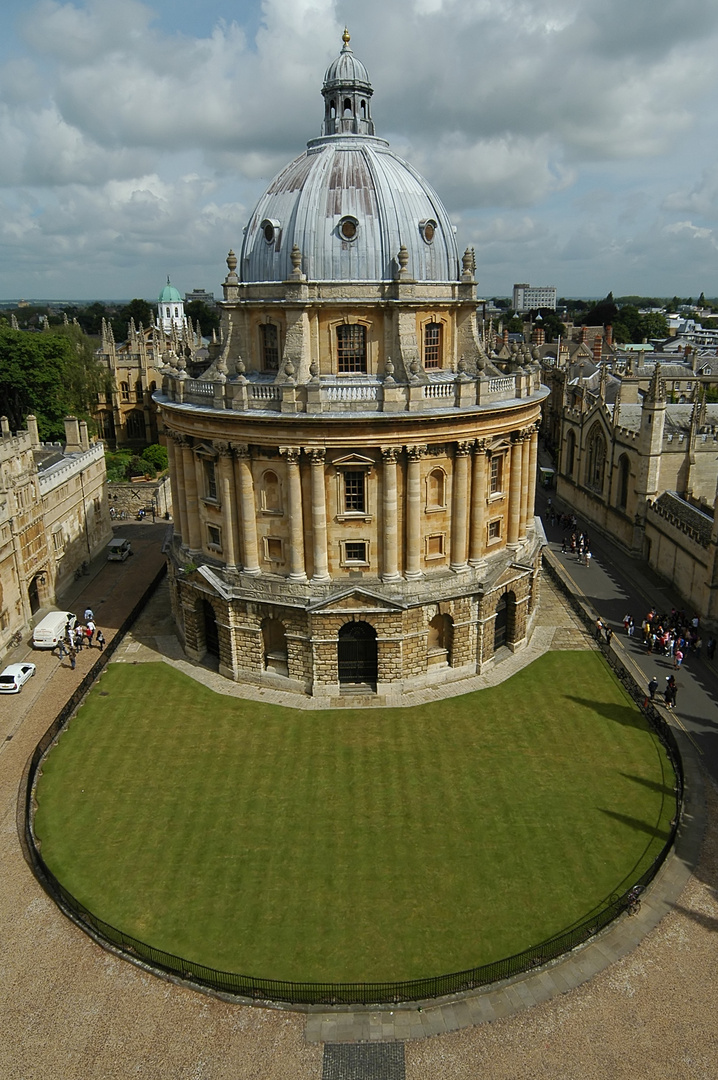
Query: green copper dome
{"x": 169, "y": 295}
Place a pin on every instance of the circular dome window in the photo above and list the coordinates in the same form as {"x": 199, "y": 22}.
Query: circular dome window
{"x": 428, "y": 230}
{"x": 270, "y": 229}
{"x": 348, "y": 228}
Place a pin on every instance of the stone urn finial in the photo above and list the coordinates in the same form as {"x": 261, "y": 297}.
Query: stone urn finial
{"x": 389, "y": 370}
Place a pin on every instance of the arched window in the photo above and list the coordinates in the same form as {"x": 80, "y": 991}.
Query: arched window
{"x": 139, "y": 395}
{"x": 441, "y": 632}
{"x": 135, "y": 425}
{"x": 432, "y": 345}
{"x": 363, "y": 110}
{"x": 274, "y": 640}
{"x": 596, "y": 463}
{"x": 570, "y": 453}
{"x": 351, "y": 349}
{"x": 333, "y": 110}
{"x": 106, "y": 425}
{"x": 125, "y": 391}
{"x": 436, "y": 490}
{"x": 271, "y": 494}
{"x": 347, "y": 107}
{"x": 624, "y": 469}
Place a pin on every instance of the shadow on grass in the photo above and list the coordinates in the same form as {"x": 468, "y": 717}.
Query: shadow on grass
{"x": 627, "y": 715}
{"x": 637, "y": 825}
{"x": 652, "y": 785}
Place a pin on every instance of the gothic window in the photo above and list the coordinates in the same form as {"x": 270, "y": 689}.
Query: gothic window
{"x": 135, "y": 425}
{"x": 106, "y": 424}
{"x": 432, "y": 345}
{"x": 351, "y": 349}
{"x": 270, "y": 347}
{"x": 436, "y": 490}
{"x": 354, "y": 491}
{"x": 596, "y": 464}
{"x": 271, "y": 493}
{"x": 623, "y": 474}
{"x": 138, "y": 390}
{"x": 570, "y": 453}
{"x": 125, "y": 391}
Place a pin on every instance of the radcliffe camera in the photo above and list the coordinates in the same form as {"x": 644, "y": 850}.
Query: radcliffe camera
{"x": 358, "y": 542}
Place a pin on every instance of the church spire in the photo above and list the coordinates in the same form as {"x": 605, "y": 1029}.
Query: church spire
{"x": 347, "y": 95}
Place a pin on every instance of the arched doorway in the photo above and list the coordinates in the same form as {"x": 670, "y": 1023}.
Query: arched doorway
{"x": 211, "y": 634}
{"x": 357, "y": 654}
{"x": 33, "y": 593}
{"x": 439, "y": 640}
{"x": 275, "y": 647}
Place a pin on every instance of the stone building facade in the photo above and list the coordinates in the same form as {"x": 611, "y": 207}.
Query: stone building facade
{"x": 53, "y": 517}
{"x": 352, "y": 476}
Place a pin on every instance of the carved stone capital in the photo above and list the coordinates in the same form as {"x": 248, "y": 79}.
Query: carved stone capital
{"x": 291, "y": 453}
{"x": 224, "y": 449}
{"x": 390, "y": 454}
{"x": 463, "y": 449}
{"x": 316, "y": 455}
{"x": 415, "y": 453}
{"x": 241, "y": 451}
{"x": 481, "y": 446}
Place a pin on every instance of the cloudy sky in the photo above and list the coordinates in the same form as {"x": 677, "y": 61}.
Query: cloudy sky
{"x": 573, "y": 141}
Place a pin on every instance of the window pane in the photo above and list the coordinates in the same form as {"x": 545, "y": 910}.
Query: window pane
{"x": 432, "y": 345}
{"x": 351, "y": 349}
{"x": 354, "y": 492}
{"x": 270, "y": 347}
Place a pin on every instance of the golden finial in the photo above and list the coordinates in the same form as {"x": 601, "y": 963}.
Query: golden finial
{"x": 346, "y": 38}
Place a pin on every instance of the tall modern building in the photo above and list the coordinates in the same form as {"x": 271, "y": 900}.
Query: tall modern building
{"x": 530, "y": 297}
{"x": 352, "y": 476}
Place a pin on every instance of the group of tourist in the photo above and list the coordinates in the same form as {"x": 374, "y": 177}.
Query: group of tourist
{"x": 673, "y": 635}
{"x": 81, "y": 636}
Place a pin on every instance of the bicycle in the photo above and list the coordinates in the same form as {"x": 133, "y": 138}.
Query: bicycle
{"x": 16, "y": 639}
{"x": 82, "y": 571}
{"x": 633, "y": 900}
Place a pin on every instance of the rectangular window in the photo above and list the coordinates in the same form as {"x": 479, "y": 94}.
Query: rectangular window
{"x": 354, "y": 492}
{"x": 57, "y": 541}
{"x": 497, "y": 478}
{"x": 215, "y": 537}
{"x": 273, "y": 549}
{"x": 351, "y": 349}
{"x": 355, "y": 551}
{"x": 211, "y": 479}
{"x": 270, "y": 347}
{"x": 435, "y": 546}
{"x": 432, "y": 345}
{"x": 495, "y": 530}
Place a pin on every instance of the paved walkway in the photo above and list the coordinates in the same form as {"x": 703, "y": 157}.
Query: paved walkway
{"x": 72, "y": 1010}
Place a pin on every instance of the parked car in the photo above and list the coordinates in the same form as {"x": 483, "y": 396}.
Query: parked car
{"x": 14, "y": 677}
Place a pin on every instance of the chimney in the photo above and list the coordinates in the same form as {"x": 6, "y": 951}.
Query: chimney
{"x": 539, "y": 335}
{"x": 583, "y": 335}
{"x": 4, "y": 427}
{"x": 505, "y": 336}
{"x": 597, "y": 348}
{"x": 84, "y": 437}
{"x": 72, "y": 436}
{"x": 31, "y": 422}
{"x": 609, "y": 335}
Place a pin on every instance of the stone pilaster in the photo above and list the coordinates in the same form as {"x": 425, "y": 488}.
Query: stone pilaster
{"x": 515, "y": 490}
{"x": 297, "y": 569}
{"x": 390, "y": 546}
{"x": 478, "y": 505}
{"x": 533, "y": 462}
{"x": 193, "y": 540}
{"x": 460, "y": 508}
{"x": 413, "y": 511}
{"x": 319, "y": 516}
{"x": 230, "y": 539}
{"x": 247, "y": 510}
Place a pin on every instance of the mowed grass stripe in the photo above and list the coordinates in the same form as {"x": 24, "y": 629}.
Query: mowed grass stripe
{"x": 355, "y": 845}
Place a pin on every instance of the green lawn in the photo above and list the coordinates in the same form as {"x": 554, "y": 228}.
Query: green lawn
{"x": 353, "y": 845}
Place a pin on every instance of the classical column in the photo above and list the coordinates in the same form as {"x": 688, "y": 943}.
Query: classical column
{"x": 194, "y": 538}
{"x": 525, "y": 451}
{"x": 413, "y": 512}
{"x": 390, "y": 546}
{"x": 515, "y": 490}
{"x": 297, "y": 570}
{"x": 478, "y": 504}
{"x": 230, "y": 532}
{"x": 319, "y": 516}
{"x": 460, "y": 507}
{"x": 533, "y": 461}
{"x": 247, "y": 510}
{"x": 179, "y": 509}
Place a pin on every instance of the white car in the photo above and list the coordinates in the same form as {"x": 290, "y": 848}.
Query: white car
{"x": 14, "y": 677}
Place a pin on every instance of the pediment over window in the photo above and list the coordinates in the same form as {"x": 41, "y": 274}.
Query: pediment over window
{"x": 355, "y": 600}
{"x": 354, "y": 461}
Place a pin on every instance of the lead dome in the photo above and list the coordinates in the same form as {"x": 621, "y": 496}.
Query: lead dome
{"x": 348, "y": 203}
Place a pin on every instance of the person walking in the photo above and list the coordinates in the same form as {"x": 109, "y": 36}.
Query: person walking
{"x": 79, "y": 637}
{"x": 609, "y": 635}
{"x": 711, "y": 648}
{"x": 652, "y": 687}
{"x": 100, "y": 639}
{"x": 88, "y": 614}
{"x": 72, "y": 652}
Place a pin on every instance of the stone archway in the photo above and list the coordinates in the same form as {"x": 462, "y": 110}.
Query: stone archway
{"x": 357, "y": 654}
{"x": 505, "y": 621}
{"x": 211, "y": 633}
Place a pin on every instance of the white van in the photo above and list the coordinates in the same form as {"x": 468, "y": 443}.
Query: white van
{"x": 118, "y": 550}
{"x": 50, "y": 631}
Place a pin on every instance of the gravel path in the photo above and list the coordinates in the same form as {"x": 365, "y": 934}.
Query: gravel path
{"x": 69, "y": 1009}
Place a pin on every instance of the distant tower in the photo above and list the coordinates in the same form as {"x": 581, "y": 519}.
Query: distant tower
{"x": 170, "y": 309}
